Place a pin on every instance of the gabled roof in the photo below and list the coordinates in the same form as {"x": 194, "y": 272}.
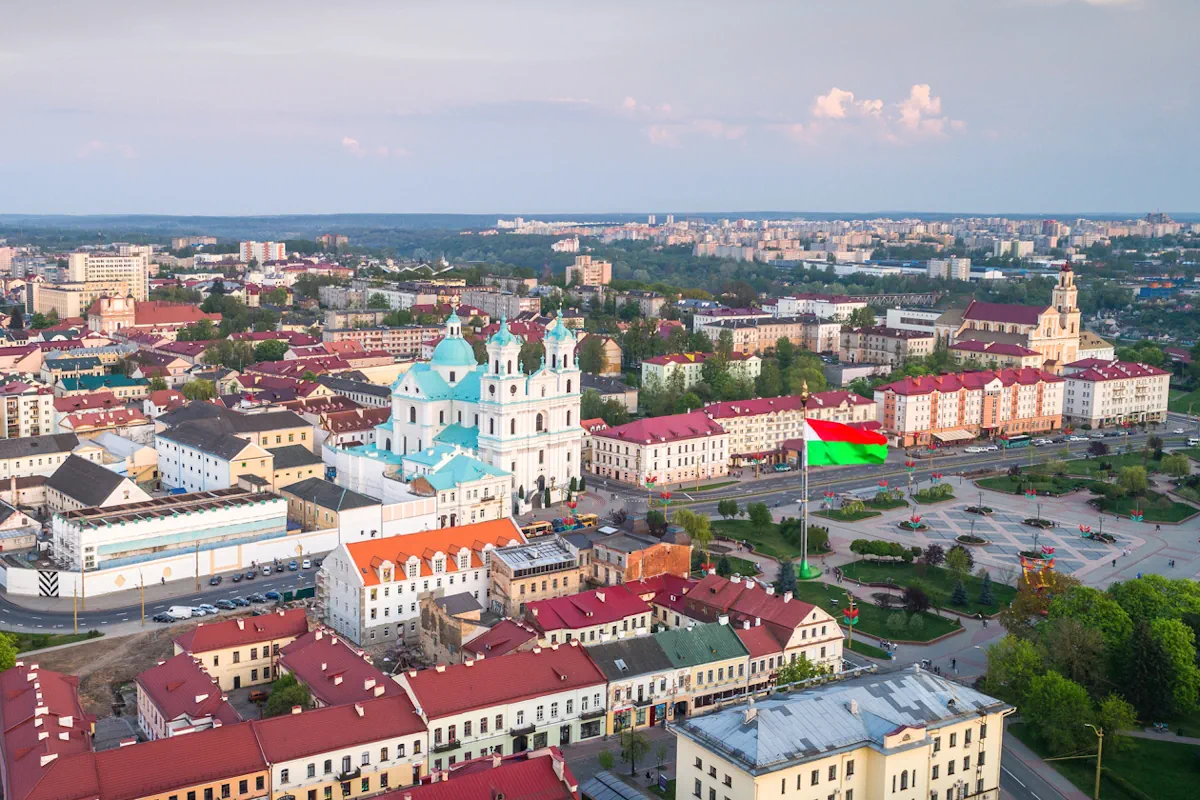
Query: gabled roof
{"x": 758, "y": 639}
{"x": 323, "y": 730}
{"x": 996, "y": 348}
{"x": 768, "y": 405}
{"x": 24, "y": 689}
{"x": 603, "y": 606}
{"x": 626, "y": 658}
{"x": 664, "y": 430}
{"x": 244, "y": 630}
{"x": 478, "y": 538}
{"x": 212, "y": 436}
{"x": 1004, "y": 312}
{"x": 462, "y": 469}
{"x": 957, "y": 381}
{"x": 746, "y": 600}
{"x": 700, "y": 644}
{"x": 532, "y": 775}
{"x": 335, "y": 671}
{"x": 443, "y": 691}
{"x": 328, "y": 495}
{"x": 179, "y": 686}
{"x": 1095, "y": 369}
{"x": 293, "y": 455}
{"x": 504, "y": 637}
{"x": 24, "y": 446}
{"x": 84, "y": 481}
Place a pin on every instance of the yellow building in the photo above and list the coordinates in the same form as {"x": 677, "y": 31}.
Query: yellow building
{"x": 907, "y": 735}
{"x": 876, "y": 345}
{"x": 524, "y": 573}
{"x": 243, "y": 651}
{"x": 973, "y": 354}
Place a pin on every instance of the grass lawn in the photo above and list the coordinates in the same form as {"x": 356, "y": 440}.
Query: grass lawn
{"x": 1090, "y": 466}
{"x": 1189, "y": 493}
{"x": 938, "y": 581}
{"x": 669, "y": 793}
{"x": 929, "y": 501}
{"x": 1160, "y": 768}
{"x": 739, "y": 565}
{"x": 1191, "y": 452}
{"x": 871, "y": 618}
{"x": 1180, "y": 403}
{"x": 1042, "y": 483}
{"x": 1155, "y": 507}
{"x": 885, "y": 505}
{"x": 709, "y": 487}
{"x": 36, "y": 641}
{"x": 841, "y": 516}
{"x": 864, "y": 649}
{"x": 765, "y": 540}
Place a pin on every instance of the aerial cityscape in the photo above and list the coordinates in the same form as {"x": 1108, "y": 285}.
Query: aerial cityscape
{"x": 357, "y": 480}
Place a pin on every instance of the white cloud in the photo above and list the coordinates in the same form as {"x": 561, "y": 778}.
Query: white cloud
{"x": 351, "y": 146}
{"x": 629, "y": 104}
{"x": 920, "y": 114}
{"x": 839, "y": 103}
{"x": 663, "y": 135}
{"x": 355, "y": 148}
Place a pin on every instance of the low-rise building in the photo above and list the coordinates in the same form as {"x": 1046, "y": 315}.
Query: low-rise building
{"x": 34, "y": 701}
{"x": 334, "y": 670}
{"x": 1101, "y": 393}
{"x": 891, "y": 346}
{"x": 506, "y": 636}
{"x": 975, "y": 354}
{"x": 316, "y": 504}
{"x": 545, "y": 568}
{"x": 542, "y": 774}
{"x": 643, "y": 682}
{"x": 204, "y": 454}
{"x": 907, "y": 733}
{"x": 548, "y": 696}
{"x": 79, "y": 483}
{"x": 610, "y": 389}
{"x": 178, "y": 697}
{"x": 673, "y": 449}
{"x": 125, "y": 388}
{"x": 597, "y": 615}
{"x": 626, "y": 557}
{"x": 243, "y": 651}
{"x": 662, "y": 368}
{"x": 715, "y": 666}
{"x": 762, "y": 334}
{"x": 41, "y": 455}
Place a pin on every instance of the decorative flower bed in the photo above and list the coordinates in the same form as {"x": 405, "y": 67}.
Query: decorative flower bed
{"x": 1035, "y": 522}
{"x": 966, "y": 538}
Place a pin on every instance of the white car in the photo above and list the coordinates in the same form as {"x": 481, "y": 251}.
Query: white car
{"x": 975, "y": 449}
{"x": 1076, "y": 438}
{"x": 266, "y": 570}
{"x": 306, "y": 564}
{"x": 205, "y": 609}
{"x": 1041, "y": 442}
{"x": 1178, "y": 430}
{"x": 992, "y": 448}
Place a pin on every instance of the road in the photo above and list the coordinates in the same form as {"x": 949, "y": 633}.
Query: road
{"x": 1022, "y": 783}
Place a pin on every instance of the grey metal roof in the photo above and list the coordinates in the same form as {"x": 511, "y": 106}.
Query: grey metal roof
{"x": 364, "y": 387}
{"x": 38, "y": 445}
{"x": 293, "y": 455}
{"x": 627, "y": 658}
{"x": 212, "y": 436}
{"x": 543, "y": 552}
{"x": 237, "y": 421}
{"x": 85, "y": 481}
{"x": 606, "y": 786}
{"x": 626, "y": 542}
{"x": 328, "y": 495}
{"x": 459, "y": 603}
{"x": 787, "y": 729}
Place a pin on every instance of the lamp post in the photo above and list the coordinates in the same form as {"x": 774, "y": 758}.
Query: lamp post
{"x": 142, "y": 591}
{"x": 1099, "y": 754}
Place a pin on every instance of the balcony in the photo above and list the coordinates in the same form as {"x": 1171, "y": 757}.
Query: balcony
{"x": 349, "y": 776}
{"x": 523, "y": 730}
{"x": 444, "y": 746}
{"x": 595, "y": 713}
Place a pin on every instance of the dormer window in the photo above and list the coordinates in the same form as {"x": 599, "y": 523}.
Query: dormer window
{"x": 439, "y": 565}
{"x": 412, "y": 569}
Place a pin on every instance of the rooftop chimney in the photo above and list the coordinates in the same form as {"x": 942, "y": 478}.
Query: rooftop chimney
{"x": 600, "y": 596}
{"x": 324, "y": 666}
{"x": 440, "y": 667}
{"x": 200, "y": 698}
{"x": 497, "y": 760}
{"x": 128, "y": 740}
{"x": 379, "y": 690}
{"x": 368, "y": 683}
{"x": 723, "y": 619}
{"x": 787, "y": 597}
{"x": 319, "y": 635}
{"x": 358, "y": 709}
{"x": 470, "y": 662}
{"x": 853, "y": 707}
{"x": 770, "y": 590}
{"x": 241, "y": 624}
{"x": 47, "y": 758}
{"x": 337, "y": 680}
{"x": 296, "y": 709}
{"x": 745, "y": 624}
{"x": 749, "y": 713}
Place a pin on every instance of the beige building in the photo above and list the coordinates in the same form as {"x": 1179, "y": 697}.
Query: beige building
{"x": 243, "y": 651}
{"x": 891, "y": 346}
{"x": 966, "y": 405}
{"x": 587, "y": 271}
{"x": 73, "y": 299}
{"x": 545, "y": 568}
{"x": 27, "y": 410}
{"x": 973, "y": 354}
{"x": 740, "y": 365}
{"x": 758, "y": 428}
{"x": 133, "y": 270}
{"x": 906, "y": 734}
{"x": 1101, "y": 393}
{"x": 950, "y": 269}
{"x": 680, "y": 448}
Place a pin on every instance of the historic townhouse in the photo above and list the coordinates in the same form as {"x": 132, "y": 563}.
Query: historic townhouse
{"x": 598, "y": 615}
{"x": 244, "y": 651}
{"x": 1100, "y": 393}
{"x": 891, "y": 346}
{"x": 675, "y": 449}
{"x": 758, "y": 428}
{"x": 691, "y": 365}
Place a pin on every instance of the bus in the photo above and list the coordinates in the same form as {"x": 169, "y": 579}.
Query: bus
{"x": 1017, "y": 441}
{"x": 534, "y": 529}
{"x": 587, "y": 520}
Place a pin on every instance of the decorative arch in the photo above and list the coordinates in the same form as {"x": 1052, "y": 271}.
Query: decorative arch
{"x": 412, "y": 414}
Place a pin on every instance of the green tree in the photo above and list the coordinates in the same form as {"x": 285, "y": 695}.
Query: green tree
{"x": 760, "y": 515}
{"x": 697, "y": 527}
{"x": 770, "y": 381}
{"x": 1178, "y": 645}
{"x": 157, "y": 384}
{"x": 1133, "y": 479}
{"x": 8, "y": 651}
{"x": 1056, "y": 709}
{"x": 724, "y": 345}
{"x": 17, "y": 321}
{"x": 785, "y": 351}
{"x": 958, "y": 563}
{"x": 959, "y": 597}
{"x": 1177, "y": 465}
{"x": 799, "y": 670}
{"x": 1114, "y": 715}
{"x": 787, "y": 577}
{"x": 270, "y": 350}
{"x": 199, "y": 389}
{"x": 986, "y": 596}
{"x": 1076, "y": 652}
{"x": 728, "y": 509}
{"x": 591, "y": 355}
{"x": 897, "y": 623}
{"x": 606, "y": 760}
{"x": 377, "y": 300}
{"x": 634, "y": 747}
{"x": 1094, "y": 609}
{"x": 861, "y": 318}
{"x": 286, "y": 692}
{"x": 276, "y": 297}
{"x": 309, "y": 375}
{"x": 1012, "y": 664}
{"x": 39, "y": 321}
{"x": 724, "y": 568}
{"x": 531, "y": 357}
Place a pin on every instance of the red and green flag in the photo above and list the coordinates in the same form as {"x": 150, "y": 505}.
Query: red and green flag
{"x": 828, "y": 442}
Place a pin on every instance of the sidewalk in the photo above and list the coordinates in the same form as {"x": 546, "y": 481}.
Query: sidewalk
{"x": 1043, "y": 770}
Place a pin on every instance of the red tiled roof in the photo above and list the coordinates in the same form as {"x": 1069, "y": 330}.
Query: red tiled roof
{"x": 747, "y": 600}
{"x": 504, "y": 637}
{"x": 86, "y": 402}
{"x": 334, "y": 670}
{"x": 293, "y": 338}
{"x": 652, "y": 588}
{"x": 158, "y": 312}
{"x": 358, "y": 419}
{"x": 494, "y": 681}
{"x": 957, "y": 381}
{"x": 244, "y": 630}
{"x": 664, "y": 429}
{"x": 603, "y": 606}
{"x": 190, "y": 349}
{"x": 767, "y": 405}
{"x": 103, "y": 419}
{"x": 593, "y": 425}
{"x": 1004, "y": 312}
{"x": 999, "y": 348}
{"x": 1094, "y": 369}
{"x": 532, "y": 775}
{"x": 693, "y": 358}
{"x": 24, "y": 749}
{"x": 167, "y": 398}
{"x": 322, "y": 730}
{"x": 180, "y": 686}
{"x": 758, "y": 639}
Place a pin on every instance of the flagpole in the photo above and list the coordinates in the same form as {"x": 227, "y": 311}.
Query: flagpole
{"x": 805, "y": 572}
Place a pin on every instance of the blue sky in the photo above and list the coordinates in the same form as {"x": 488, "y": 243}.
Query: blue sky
{"x": 862, "y": 105}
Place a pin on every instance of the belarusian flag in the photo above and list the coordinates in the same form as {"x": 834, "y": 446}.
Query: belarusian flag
{"x": 834, "y": 443}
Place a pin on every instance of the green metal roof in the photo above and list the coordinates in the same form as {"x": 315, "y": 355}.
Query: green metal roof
{"x": 94, "y": 382}
{"x": 466, "y": 438}
{"x": 464, "y": 469}
{"x": 701, "y": 644}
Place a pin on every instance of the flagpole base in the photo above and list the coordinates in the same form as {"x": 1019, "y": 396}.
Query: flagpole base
{"x": 807, "y": 572}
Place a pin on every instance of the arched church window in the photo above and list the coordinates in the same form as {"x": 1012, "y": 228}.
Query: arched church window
{"x": 512, "y": 389}
{"x": 441, "y": 417}
{"x": 543, "y": 391}
{"x": 497, "y": 366}
{"x": 539, "y": 424}
{"x": 568, "y": 419}
{"x": 492, "y": 426}
{"x": 510, "y": 366}
{"x": 452, "y": 376}
{"x": 512, "y": 427}
{"x": 568, "y": 385}
{"x": 412, "y": 413}
{"x": 554, "y": 361}
{"x": 492, "y": 389}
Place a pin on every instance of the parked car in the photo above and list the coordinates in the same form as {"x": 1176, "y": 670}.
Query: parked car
{"x": 1192, "y": 442}
{"x": 258, "y": 696}
{"x": 240, "y": 602}
{"x": 179, "y": 612}
{"x": 237, "y": 578}
{"x": 992, "y": 448}
{"x": 162, "y": 617}
{"x": 208, "y": 608}
{"x": 251, "y": 575}
{"x": 974, "y": 449}
{"x": 273, "y": 595}
{"x": 256, "y": 598}
{"x": 1178, "y": 430}
{"x": 215, "y": 580}
{"x": 227, "y": 605}
{"x": 293, "y": 566}
{"x": 1076, "y": 438}
{"x": 1097, "y": 435}
{"x": 266, "y": 569}
{"x": 306, "y": 564}
{"x": 318, "y": 562}
{"x": 1041, "y": 442}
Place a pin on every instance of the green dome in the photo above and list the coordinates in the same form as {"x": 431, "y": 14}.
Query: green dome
{"x": 454, "y": 352}
{"x": 503, "y": 336}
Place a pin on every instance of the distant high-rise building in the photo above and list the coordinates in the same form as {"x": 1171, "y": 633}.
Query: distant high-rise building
{"x": 133, "y": 270}
{"x": 670, "y": 219}
{"x": 650, "y": 219}
{"x": 589, "y": 272}
{"x": 952, "y": 268}
{"x": 180, "y": 242}
{"x": 262, "y": 252}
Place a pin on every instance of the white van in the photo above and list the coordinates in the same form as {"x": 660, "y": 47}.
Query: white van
{"x": 179, "y": 612}
{"x": 1193, "y": 442}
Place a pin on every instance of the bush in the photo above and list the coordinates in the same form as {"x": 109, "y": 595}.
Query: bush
{"x": 958, "y": 548}
{"x": 724, "y": 568}
{"x": 897, "y": 623}
{"x": 959, "y": 598}
{"x": 916, "y": 625}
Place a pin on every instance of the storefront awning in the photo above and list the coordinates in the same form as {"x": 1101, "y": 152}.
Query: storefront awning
{"x": 955, "y": 435}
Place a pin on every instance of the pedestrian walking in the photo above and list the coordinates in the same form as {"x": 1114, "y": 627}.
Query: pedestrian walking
{"x": 954, "y": 665}
{"x": 1114, "y": 563}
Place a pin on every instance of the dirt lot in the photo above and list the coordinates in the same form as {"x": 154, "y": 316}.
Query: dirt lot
{"x": 104, "y": 663}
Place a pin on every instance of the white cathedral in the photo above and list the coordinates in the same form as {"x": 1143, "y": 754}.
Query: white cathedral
{"x": 475, "y": 430}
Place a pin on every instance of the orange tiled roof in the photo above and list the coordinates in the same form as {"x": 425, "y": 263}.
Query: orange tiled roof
{"x": 369, "y": 554}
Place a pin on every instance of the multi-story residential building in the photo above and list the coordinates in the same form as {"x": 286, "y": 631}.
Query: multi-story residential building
{"x": 649, "y": 303}
{"x": 373, "y": 395}
{"x": 662, "y": 368}
{"x": 1100, "y": 393}
{"x": 204, "y": 454}
{"x": 643, "y": 682}
{"x": 825, "y": 306}
{"x": 346, "y": 316}
{"x": 403, "y": 340}
{"x": 973, "y": 354}
{"x": 966, "y": 405}
{"x": 316, "y": 504}
{"x": 717, "y": 665}
{"x": 548, "y": 696}
{"x": 267, "y": 430}
{"x": 544, "y": 568}
{"x": 28, "y": 409}
{"x": 758, "y": 428}
{"x": 611, "y": 389}
{"x": 42, "y": 455}
{"x": 177, "y": 697}
{"x": 952, "y": 268}
{"x": 909, "y": 734}
{"x": 180, "y": 242}
{"x": 673, "y": 449}
{"x": 244, "y": 651}
{"x": 627, "y": 557}
{"x": 568, "y": 245}
{"x": 912, "y": 319}
{"x": 587, "y": 271}
{"x": 261, "y": 252}
{"x": 761, "y": 335}
{"x": 352, "y": 750}
{"x": 497, "y": 304}
{"x": 799, "y": 628}
{"x": 597, "y": 615}
{"x": 335, "y": 671}
{"x": 590, "y": 427}
{"x": 371, "y": 589}
{"x": 69, "y": 300}
{"x": 707, "y": 316}
{"x": 891, "y": 346}
{"x": 132, "y": 270}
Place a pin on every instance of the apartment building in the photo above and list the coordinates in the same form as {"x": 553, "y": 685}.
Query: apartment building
{"x": 42, "y": 455}
{"x": 548, "y": 696}
{"x": 673, "y": 449}
{"x": 544, "y": 568}
{"x": 496, "y": 303}
{"x": 177, "y": 697}
{"x": 203, "y": 454}
{"x": 835, "y": 307}
{"x": 587, "y": 271}
{"x": 763, "y": 334}
{"x": 261, "y": 252}
{"x": 952, "y": 268}
{"x": 649, "y": 304}
{"x": 244, "y": 651}
{"x": 643, "y": 682}
{"x": 707, "y": 316}
{"x": 403, "y": 340}
{"x": 72, "y": 299}
{"x": 371, "y": 589}
{"x": 876, "y": 345}
{"x": 758, "y": 428}
{"x": 662, "y": 368}
{"x": 541, "y": 774}
{"x": 597, "y": 615}
{"x": 974, "y": 354}
{"x": 966, "y": 405}
{"x": 912, "y": 319}
{"x": 1101, "y": 393}
{"x": 28, "y": 409}
{"x": 268, "y": 429}
{"x": 133, "y": 270}
{"x": 906, "y": 734}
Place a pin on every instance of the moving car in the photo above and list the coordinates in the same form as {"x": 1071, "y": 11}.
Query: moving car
{"x": 974, "y": 449}
{"x": 1097, "y": 435}
{"x": 215, "y": 580}
{"x": 1192, "y": 442}
{"x": 1177, "y": 430}
{"x": 1041, "y": 442}
{"x": 992, "y": 448}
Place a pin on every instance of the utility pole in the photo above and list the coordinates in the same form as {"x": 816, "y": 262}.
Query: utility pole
{"x": 1099, "y": 754}
{"x": 82, "y": 578}
{"x": 142, "y": 591}
{"x": 75, "y": 606}
{"x": 198, "y": 565}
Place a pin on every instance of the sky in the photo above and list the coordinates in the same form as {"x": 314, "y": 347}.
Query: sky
{"x": 983, "y": 106}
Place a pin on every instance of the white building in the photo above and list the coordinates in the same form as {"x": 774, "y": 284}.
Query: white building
{"x": 133, "y": 270}
{"x": 740, "y": 364}
{"x": 27, "y": 408}
{"x": 1100, "y": 393}
{"x": 951, "y": 268}
{"x": 675, "y": 449}
{"x": 262, "y": 252}
{"x": 370, "y": 591}
{"x": 824, "y": 306}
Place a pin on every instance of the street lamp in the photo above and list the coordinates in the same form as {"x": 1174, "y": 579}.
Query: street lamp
{"x": 1099, "y": 754}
